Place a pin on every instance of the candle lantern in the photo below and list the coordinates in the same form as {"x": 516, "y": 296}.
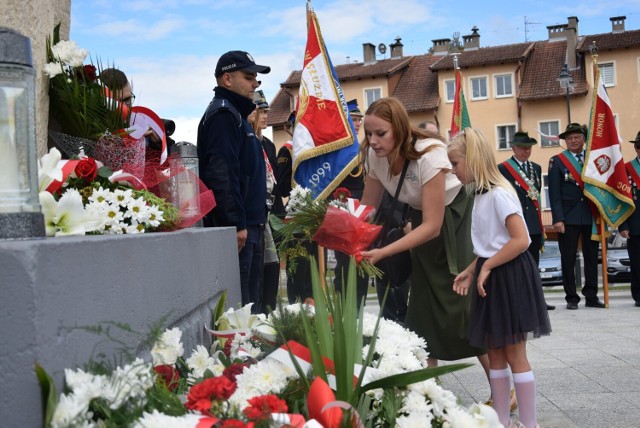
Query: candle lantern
{"x": 186, "y": 188}
{"x": 20, "y": 213}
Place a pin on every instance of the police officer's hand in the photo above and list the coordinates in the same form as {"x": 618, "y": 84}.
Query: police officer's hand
{"x": 241, "y": 236}
{"x": 559, "y": 227}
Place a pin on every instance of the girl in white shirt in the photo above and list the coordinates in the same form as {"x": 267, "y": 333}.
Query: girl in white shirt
{"x": 509, "y": 305}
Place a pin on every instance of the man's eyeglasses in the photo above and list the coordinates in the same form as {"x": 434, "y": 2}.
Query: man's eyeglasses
{"x": 129, "y": 100}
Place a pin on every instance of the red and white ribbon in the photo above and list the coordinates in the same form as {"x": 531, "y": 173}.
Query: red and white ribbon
{"x": 142, "y": 119}
{"x": 359, "y": 210}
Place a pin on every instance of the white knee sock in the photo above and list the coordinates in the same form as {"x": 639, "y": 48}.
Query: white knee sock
{"x": 525, "y": 386}
{"x": 500, "y": 381}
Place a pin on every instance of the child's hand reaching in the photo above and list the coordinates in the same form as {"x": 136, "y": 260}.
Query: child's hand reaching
{"x": 462, "y": 282}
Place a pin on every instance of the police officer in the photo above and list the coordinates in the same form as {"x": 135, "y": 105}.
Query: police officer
{"x": 526, "y": 177}
{"x": 231, "y": 163}
{"x": 573, "y": 217}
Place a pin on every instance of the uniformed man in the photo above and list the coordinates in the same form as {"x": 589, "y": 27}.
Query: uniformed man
{"x": 231, "y": 163}
{"x": 573, "y": 217}
{"x": 630, "y": 228}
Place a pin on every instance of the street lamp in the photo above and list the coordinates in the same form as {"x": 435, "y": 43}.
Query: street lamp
{"x": 566, "y": 83}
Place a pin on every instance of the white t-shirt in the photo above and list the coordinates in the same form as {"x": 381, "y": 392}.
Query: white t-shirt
{"x": 488, "y": 220}
{"x": 419, "y": 172}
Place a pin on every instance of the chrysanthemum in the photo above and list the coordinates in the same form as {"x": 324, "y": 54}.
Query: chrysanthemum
{"x": 168, "y": 347}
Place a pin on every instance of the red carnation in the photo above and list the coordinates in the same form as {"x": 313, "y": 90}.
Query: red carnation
{"x": 263, "y": 406}
{"x": 216, "y": 388}
{"x": 233, "y": 370}
{"x": 169, "y": 375}
{"x": 87, "y": 169}
{"x": 341, "y": 194}
{"x": 232, "y": 423}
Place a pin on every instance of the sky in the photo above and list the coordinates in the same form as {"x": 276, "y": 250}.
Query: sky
{"x": 169, "y": 48}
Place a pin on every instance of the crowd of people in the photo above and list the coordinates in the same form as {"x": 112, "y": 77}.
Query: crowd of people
{"x": 475, "y": 229}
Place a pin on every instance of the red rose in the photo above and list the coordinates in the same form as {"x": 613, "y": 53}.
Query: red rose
{"x": 169, "y": 375}
{"x": 87, "y": 169}
{"x": 263, "y": 406}
{"x": 89, "y": 73}
{"x": 215, "y": 388}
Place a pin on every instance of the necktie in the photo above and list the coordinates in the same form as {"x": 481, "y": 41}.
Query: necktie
{"x": 579, "y": 157}
{"x": 525, "y": 164}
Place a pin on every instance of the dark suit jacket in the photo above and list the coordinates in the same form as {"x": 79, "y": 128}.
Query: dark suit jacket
{"x": 632, "y": 224}
{"x": 568, "y": 203}
{"x": 528, "y": 208}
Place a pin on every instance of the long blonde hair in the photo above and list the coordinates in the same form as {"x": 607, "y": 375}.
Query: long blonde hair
{"x": 391, "y": 110}
{"x": 480, "y": 161}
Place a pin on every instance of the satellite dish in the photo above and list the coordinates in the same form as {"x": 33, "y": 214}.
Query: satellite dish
{"x": 382, "y": 48}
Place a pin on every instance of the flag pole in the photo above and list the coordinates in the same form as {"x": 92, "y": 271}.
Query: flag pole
{"x": 605, "y": 280}
{"x": 603, "y": 237}
{"x": 322, "y": 267}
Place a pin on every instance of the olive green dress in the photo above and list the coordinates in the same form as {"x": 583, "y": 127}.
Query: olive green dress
{"x": 436, "y": 312}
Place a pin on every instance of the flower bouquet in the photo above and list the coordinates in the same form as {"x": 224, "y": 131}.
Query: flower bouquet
{"x": 89, "y": 119}
{"x": 83, "y": 196}
{"x": 342, "y": 224}
{"x": 306, "y": 365}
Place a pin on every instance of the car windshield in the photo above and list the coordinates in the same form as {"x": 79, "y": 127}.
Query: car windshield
{"x": 550, "y": 251}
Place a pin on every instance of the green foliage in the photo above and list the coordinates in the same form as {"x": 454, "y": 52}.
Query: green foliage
{"x": 49, "y": 395}
{"x": 78, "y": 100}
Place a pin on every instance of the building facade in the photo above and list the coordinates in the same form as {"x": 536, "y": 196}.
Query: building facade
{"x": 507, "y": 88}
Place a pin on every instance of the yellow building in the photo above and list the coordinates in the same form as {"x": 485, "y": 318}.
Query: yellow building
{"x": 507, "y": 87}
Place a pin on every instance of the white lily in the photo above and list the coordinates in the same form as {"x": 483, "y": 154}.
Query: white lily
{"x": 67, "y": 216}
{"x": 242, "y": 319}
{"x": 49, "y": 169}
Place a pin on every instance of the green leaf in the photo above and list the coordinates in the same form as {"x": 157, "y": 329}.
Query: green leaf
{"x": 404, "y": 379}
{"x": 48, "y": 393}
{"x": 104, "y": 172}
{"x": 317, "y": 363}
{"x": 219, "y": 309}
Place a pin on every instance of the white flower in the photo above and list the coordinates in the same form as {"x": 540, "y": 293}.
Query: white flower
{"x": 298, "y": 198}
{"x": 113, "y": 216}
{"x": 68, "y": 52}
{"x": 67, "y": 216}
{"x": 268, "y": 376}
{"x": 160, "y": 420}
{"x": 129, "y": 383}
{"x": 414, "y": 420}
{"x": 122, "y": 197}
{"x": 85, "y": 386}
{"x": 168, "y": 347}
{"x": 70, "y": 411}
{"x": 200, "y": 361}
{"x": 52, "y": 69}
{"x": 155, "y": 216}
{"x": 48, "y": 169}
{"x": 101, "y": 196}
{"x": 137, "y": 210}
{"x": 134, "y": 228}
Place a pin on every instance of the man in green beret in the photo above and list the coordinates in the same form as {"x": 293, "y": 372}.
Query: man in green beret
{"x": 573, "y": 217}
{"x": 526, "y": 177}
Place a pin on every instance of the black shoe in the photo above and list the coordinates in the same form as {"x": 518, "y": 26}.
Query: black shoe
{"x": 637, "y": 304}
{"x": 550, "y": 307}
{"x": 572, "y": 306}
{"x": 594, "y": 304}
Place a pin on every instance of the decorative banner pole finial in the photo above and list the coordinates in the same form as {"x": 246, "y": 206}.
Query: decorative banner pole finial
{"x": 593, "y": 49}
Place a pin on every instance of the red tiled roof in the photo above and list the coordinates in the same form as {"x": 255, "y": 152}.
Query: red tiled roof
{"x": 385, "y": 67}
{"x": 607, "y": 41}
{"x": 418, "y": 86}
{"x": 541, "y": 71}
{"x": 484, "y": 56}
{"x": 280, "y": 110}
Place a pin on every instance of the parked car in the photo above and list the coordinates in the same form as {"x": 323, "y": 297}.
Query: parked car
{"x": 550, "y": 265}
{"x": 614, "y": 241}
{"x": 618, "y": 265}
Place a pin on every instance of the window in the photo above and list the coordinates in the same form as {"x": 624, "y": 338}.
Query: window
{"x": 551, "y": 128}
{"x": 371, "y": 95}
{"x": 503, "y": 85}
{"x": 608, "y": 73}
{"x": 449, "y": 90}
{"x": 478, "y": 88}
{"x": 505, "y": 135}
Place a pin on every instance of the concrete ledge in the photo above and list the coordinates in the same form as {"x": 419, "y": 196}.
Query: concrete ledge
{"x": 51, "y": 285}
